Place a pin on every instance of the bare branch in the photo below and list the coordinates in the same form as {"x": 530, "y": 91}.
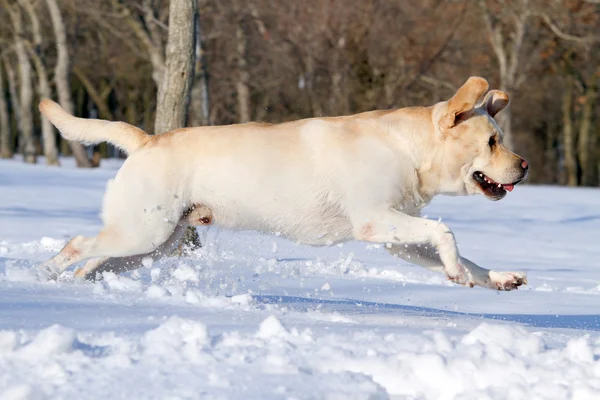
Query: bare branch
{"x": 566, "y": 36}
{"x": 119, "y": 35}
{"x": 495, "y": 36}
{"x": 438, "y": 83}
{"x": 520, "y": 30}
{"x": 35, "y": 22}
{"x": 97, "y": 98}
{"x": 155, "y": 50}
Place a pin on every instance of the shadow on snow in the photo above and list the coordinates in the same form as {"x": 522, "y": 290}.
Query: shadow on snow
{"x": 349, "y": 306}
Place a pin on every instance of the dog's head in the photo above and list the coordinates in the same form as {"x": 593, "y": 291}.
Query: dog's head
{"x": 473, "y": 158}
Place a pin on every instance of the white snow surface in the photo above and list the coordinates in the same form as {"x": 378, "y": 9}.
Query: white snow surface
{"x": 254, "y": 316}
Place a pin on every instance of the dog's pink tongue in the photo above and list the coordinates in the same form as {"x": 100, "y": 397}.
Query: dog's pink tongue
{"x": 509, "y": 187}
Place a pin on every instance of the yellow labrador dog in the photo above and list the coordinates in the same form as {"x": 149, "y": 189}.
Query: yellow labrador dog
{"x": 316, "y": 181}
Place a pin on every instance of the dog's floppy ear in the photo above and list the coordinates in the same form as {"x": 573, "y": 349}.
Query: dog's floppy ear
{"x": 463, "y": 101}
{"x": 494, "y": 102}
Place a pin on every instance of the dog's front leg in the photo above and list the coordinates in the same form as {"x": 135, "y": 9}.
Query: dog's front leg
{"x": 392, "y": 226}
{"x": 426, "y": 256}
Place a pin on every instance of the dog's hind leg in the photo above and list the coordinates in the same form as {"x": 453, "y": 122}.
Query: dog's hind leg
{"x": 77, "y": 249}
{"x": 93, "y": 269}
{"x": 140, "y": 212}
{"x": 117, "y": 239}
{"x": 196, "y": 215}
{"x": 111, "y": 242}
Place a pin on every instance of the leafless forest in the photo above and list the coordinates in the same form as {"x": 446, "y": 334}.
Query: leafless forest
{"x": 278, "y": 60}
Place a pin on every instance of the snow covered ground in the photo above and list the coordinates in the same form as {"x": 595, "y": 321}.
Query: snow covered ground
{"x": 257, "y": 316}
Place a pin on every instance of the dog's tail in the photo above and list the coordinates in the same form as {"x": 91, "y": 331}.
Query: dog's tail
{"x": 91, "y": 131}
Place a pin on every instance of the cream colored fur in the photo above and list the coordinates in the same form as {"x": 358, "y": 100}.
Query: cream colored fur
{"x": 316, "y": 181}
{"x": 92, "y": 131}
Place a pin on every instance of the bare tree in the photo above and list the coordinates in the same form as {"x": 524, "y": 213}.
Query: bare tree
{"x": 569, "y": 134}
{"x": 301, "y": 28}
{"x": 61, "y": 76}
{"x": 146, "y": 28}
{"x": 586, "y": 142}
{"x": 174, "y": 92}
{"x": 5, "y": 132}
{"x": 48, "y": 134}
{"x": 99, "y": 98}
{"x": 507, "y": 28}
{"x": 12, "y": 89}
{"x": 579, "y": 149}
{"x": 36, "y": 55}
{"x": 200, "y": 101}
{"x": 26, "y": 90}
{"x": 243, "y": 78}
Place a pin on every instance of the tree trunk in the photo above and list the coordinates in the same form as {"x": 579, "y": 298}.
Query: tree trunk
{"x": 131, "y": 115}
{"x": 568, "y": 138}
{"x": 550, "y": 158}
{"x": 36, "y": 55}
{"x": 14, "y": 96}
{"x": 149, "y": 112}
{"x": 26, "y": 90}
{"x": 596, "y": 158}
{"x": 200, "y": 101}
{"x": 5, "y": 132}
{"x": 243, "y": 90}
{"x": 48, "y": 134}
{"x": 309, "y": 86}
{"x": 584, "y": 141}
{"x": 338, "y": 99}
{"x": 61, "y": 77}
{"x": 174, "y": 92}
{"x": 262, "y": 108}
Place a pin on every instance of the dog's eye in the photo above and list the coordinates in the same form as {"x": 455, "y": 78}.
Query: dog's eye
{"x": 492, "y": 142}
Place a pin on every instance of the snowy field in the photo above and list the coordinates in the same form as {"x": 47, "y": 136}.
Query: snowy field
{"x": 252, "y": 316}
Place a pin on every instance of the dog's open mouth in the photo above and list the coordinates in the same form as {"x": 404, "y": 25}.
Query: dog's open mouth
{"x": 490, "y": 187}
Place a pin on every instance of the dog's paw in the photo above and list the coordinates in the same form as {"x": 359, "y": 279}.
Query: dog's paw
{"x": 507, "y": 280}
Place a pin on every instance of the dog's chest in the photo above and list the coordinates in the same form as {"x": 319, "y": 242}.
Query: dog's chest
{"x": 410, "y": 202}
